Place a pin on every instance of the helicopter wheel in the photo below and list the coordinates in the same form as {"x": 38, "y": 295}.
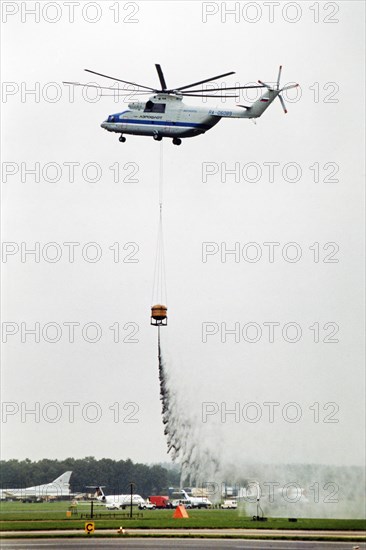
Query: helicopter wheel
{"x": 122, "y": 139}
{"x": 157, "y": 137}
{"x": 177, "y": 141}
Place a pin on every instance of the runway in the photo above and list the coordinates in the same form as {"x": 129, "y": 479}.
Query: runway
{"x": 191, "y": 544}
{"x": 258, "y": 533}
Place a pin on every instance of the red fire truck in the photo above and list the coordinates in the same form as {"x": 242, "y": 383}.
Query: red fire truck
{"x": 160, "y": 501}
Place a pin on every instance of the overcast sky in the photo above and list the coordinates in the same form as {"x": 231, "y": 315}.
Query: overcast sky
{"x": 314, "y": 196}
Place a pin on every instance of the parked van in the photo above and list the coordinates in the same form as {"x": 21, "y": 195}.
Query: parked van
{"x": 229, "y": 504}
{"x": 186, "y": 503}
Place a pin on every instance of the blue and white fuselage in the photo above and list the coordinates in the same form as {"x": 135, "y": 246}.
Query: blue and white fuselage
{"x": 161, "y": 116}
{"x": 166, "y": 115}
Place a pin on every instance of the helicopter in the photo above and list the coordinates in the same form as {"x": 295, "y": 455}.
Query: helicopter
{"x": 165, "y": 115}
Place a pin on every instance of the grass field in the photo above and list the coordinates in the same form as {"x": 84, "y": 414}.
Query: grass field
{"x": 52, "y": 515}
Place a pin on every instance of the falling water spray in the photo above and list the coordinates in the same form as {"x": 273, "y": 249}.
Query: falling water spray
{"x": 185, "y": 441}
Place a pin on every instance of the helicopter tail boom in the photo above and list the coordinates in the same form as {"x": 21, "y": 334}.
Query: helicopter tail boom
{"x": 253, "y": 111}
{"x": 257, "y": 109}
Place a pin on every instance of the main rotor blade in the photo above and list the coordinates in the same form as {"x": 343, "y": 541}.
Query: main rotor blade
{"x": 290, "y": 86}
{"x": 124, "y": 95}
{"x": 223, "y": 89}
{"x": 208, "y": 95}
{"x": 279, "y": 77}
{"x": 128, "y": 92}
{"x": 161, "y": 77}
{"x": 119, "y": 80}
{"x": 266, "y": 85}
{"x": 282, "y": 103}
{"x": 203, "y": 81}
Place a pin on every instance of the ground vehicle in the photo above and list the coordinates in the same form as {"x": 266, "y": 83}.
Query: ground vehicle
{"x": 147, "y": 505}
{"x": 160, "y": 501}
{"x": 186, "y": 503}
{"x": 227, "y": 504}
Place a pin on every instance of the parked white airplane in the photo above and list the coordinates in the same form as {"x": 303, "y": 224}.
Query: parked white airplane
{"x": 114, "y": 502}
{"x": 60, "y": 487}
{"x": 197, "y": 502}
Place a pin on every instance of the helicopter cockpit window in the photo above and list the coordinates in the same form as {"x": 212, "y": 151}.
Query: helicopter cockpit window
{"x": 111, "y": 118}
{"x": 152, "y": 107}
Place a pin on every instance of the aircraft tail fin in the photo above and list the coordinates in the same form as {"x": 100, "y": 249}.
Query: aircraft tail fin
{"x": 99, "y": 493}
{"x": 63, "y": 479}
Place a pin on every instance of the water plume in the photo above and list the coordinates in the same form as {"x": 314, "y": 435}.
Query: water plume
{"x": 185, "y": 441}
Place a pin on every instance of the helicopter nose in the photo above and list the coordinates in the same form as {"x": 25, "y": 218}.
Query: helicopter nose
{"x": 104, "y": 124}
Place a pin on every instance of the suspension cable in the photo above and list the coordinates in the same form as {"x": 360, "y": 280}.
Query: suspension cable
{"x": 159, "y": 292}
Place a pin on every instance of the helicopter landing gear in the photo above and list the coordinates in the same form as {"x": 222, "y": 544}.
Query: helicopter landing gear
{"x": 122, "y": 139}
{"x": 157, "y": 137}
{"x": 177, "y": 141}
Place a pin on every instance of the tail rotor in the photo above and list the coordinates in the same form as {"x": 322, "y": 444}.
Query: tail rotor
{"x": 279, "y": 77}
{"x": 278, "y": 90}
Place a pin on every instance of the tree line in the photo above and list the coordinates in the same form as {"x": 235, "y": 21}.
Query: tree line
{"x": 114, "y": 475}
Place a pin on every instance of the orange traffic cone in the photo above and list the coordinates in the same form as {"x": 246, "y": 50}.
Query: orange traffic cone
{"x": 180, "y": 512}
